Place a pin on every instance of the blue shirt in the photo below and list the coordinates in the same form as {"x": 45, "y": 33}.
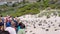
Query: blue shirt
{"x": 8, "y": 24}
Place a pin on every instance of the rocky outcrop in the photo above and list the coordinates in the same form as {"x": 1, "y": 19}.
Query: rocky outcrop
{"x": 42, "y": 25}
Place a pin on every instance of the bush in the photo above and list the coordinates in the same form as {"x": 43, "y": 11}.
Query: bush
{"x": 19, "y": 9}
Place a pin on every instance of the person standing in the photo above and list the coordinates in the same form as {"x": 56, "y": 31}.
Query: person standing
{"x": 22, "y": 29}
{"x": 11, "y": 29}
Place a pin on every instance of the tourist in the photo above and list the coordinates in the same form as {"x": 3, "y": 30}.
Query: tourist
{"x": 22, "y": 29}
{"x": 1, "y": 24}
{"x": 8, "y": 21}
{"x": 11, "y": 29}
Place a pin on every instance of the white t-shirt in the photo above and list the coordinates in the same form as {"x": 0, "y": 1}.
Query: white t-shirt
{"x": 10, "y": 30}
